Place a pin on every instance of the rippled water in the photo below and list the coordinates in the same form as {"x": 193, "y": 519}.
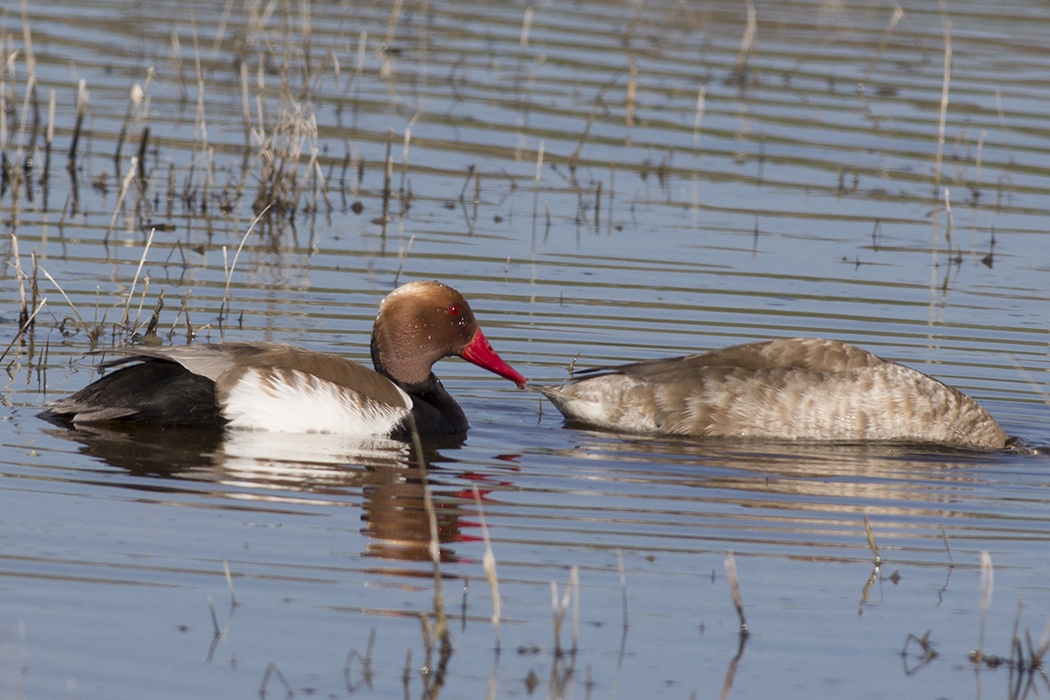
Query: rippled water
{"x": 605, "y": 182}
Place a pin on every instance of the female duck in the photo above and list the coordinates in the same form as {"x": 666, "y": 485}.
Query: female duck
{"x": 283, "y": 388}
{"x": 794, "y": 389}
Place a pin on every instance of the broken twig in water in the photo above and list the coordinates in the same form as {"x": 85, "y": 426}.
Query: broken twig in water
{"x": 734, "y": 587}
{"x": 987, "y": 587}
{"x": 871, "y": 541}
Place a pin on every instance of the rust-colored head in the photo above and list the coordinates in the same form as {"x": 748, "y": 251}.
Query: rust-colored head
{"x": 421, "y": 322}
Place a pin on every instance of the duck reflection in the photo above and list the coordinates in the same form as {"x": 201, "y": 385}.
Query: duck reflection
{"x": 885, "y": 477}
{"x": 296, "y": 468}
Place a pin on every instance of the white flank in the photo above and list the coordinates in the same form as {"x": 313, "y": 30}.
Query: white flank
{"x": 290, "y": 401}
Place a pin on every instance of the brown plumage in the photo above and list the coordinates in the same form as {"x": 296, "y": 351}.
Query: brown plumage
{"x": 797, "y": 389}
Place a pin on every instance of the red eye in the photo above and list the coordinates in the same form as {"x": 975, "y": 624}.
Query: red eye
{"x": 453, "y": 310}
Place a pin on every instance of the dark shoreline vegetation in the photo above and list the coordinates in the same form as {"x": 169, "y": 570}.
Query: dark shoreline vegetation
{"x": 280, "y": 132}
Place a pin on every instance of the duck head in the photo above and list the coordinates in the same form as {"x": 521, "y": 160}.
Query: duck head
{"x": 421, "y": 322}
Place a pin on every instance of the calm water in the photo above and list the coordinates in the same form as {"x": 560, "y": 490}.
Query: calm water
{"x": 605, "y": 182}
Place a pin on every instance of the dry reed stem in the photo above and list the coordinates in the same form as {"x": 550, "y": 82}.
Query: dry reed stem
{"x": 22, "y": 328}
{"x": 734, "y": 588}
{"x": 976, "y": 189}
{"x": 260, "y": 98}
{"x": 404, "y": 151}
{"x": 632, "y": 91}
{"x": 871, "y": 541}
{"x": 229, "y": 273}
{"x": 488, "y": 563}
{"x": 183, "y": 309}
{"x": 402, "y": 255}
{"x": 82, "y": 102}
{"x": 395, "y": 13}
{"x": 124, "y": 185}
{"x": 747, "y": 44}
{"x": 201, "y": 125}
{"x": 492, "y": 679}
{"x": 466, "y": 182}
{"x": 229, "y": 581}
{"x": 34, "y": 288}
{"x": 23, "y": 310}
{"x": 359, "y": 67}
{"x": 221, "y": 30}
{"x": 526, "y": 27}
{"x": 27, "y": 40}
{"x": 701, "y": 105}
{"x": 388, "y": 174}
{"x": 559, "y": 608}
{"x": 3, "y": 131}
{"x": 1030, "y": 380}
{"x": 1044, "y": 640}
{"x": 895, "y": 18}
{"x": 135, "y": 280}
{"x": 180, "y": 71}
{"x": 319, "y": 176}
{"x": 987, "y": 588}
{"x": 80, "y": 320}
{"x": 944, "y": 103}
{"x": 142, "y": 303}
{"x": 536, "y": 193}
{"x": 1002, "y": 124}
{"x": 246, "y": 112}
{"x": 596, "y": 104}
{"x": 19, "y": 167}
{"x": 134, "y": 103}
{"x": 49, "y": 137}
{"x": 154, "y": 321}
{"x": 143, "y": 144}
{"x": 950, "y": 224}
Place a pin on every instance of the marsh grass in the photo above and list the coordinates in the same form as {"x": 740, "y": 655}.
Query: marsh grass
{"x": 1024, "y": 661}
{"x": 281, "y": 154}
{"x": 1025, "y": 658}
{"x": 280, "y": 161}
